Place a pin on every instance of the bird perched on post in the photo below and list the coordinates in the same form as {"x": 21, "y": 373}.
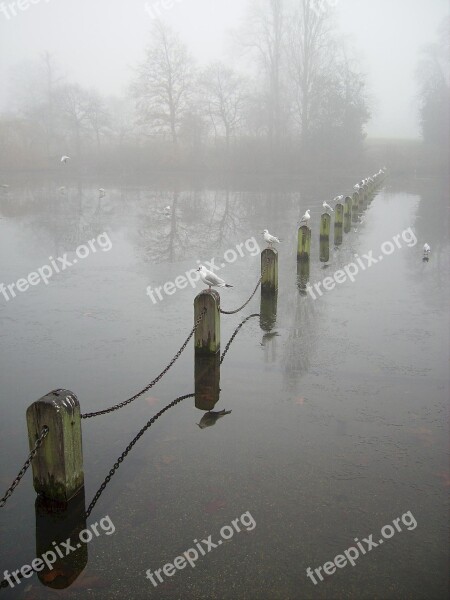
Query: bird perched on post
{"x": 326, "y": 206}
{"x": 356, "y": 187}
{"x": 338, "y": 199}
{"x": 64, "y": 159}
{"x": 270, "y": 239}
{"x": 306, "y": 217}
{"x": 211, "y": 279}
{"x": 426, "y": 251}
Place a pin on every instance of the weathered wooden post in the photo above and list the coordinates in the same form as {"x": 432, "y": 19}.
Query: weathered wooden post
{"x": 355, "y": 207}
{"x": 207, "y": 381}
{"x": 347, "y": 214}
{"x": 54, "y": 527}
{"x": 207, "y": 334}
{"x": 58, "y": 466}
{"x": 304, "y": 243}
{"x": 325, "y": 225}
{"x": 269, "y": 271}
{"x": 338, "y": 224}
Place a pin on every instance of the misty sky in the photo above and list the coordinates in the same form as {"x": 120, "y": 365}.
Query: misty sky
{"x": 96, "y": 42}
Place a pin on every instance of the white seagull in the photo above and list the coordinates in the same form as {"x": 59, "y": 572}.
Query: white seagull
{"x": 306, "y": 217}
{"x": 426, "y": 249}
{"x": 211, "y": 279}
{"x": 102, "y": 192}
{"x": 356, "y": 187}
{"x": 270, "y": 239}
{"x": 64, "y": 159}
{"x": 62, "y": 190}
{"x": 338, "y": 199}
{"x": 327, "y": 206}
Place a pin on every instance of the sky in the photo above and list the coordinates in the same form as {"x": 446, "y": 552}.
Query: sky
{"x": 99, "y": 42}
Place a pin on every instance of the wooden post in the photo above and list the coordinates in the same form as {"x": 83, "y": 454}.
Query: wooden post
{"x": 338, "y": 224}
{"x": 347, "y": 214}
{"x": 269, "y": 271}
{"x": 207, "y": 334}
{"x": 58, "y": 466}
{"x": 355, "y": 207}
{"x": 304, "y": 243}
{"x": 325, "y": 225}
{"x": 207, "y": 381}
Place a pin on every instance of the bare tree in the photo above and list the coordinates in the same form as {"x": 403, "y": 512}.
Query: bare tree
{"x": 223, "y": 97}
{"x": 164, "y": 83}
{"x": 73, "y": 104}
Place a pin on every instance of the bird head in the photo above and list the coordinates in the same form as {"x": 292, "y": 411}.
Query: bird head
{"x": 201, "y": 267}
{"x": 265, "y": 231}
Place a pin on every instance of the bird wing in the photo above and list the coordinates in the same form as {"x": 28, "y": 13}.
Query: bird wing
{"x": 212, "y": 279}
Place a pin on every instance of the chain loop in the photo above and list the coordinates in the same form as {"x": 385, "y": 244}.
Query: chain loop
{"x": 25, "y": 467}
{"x": 233, "y": 312}
{"x": 155, "y": 381}
{"x": 128, "y": 449}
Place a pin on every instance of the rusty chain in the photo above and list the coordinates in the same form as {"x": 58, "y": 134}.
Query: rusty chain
{"x": 233, "y": 312}
{"x": 155, "y": 381}
{"x": 25, "y": 467}
{"x": 129, "y": 447}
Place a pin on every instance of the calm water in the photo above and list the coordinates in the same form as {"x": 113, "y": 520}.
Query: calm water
{"x": 338, "y": 420}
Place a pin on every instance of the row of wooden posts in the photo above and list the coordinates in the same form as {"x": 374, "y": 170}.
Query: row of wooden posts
{"x": 58, "y": 467}
{"x": 207, "y": 336}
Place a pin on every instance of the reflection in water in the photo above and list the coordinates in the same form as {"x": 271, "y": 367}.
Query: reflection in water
{"x": 207, "y": 381}
{"x": 210, "y": 418}
{"x": 303, "y": 270}
{"x": 53, "y": 526}
{"x": 268, "y": 310}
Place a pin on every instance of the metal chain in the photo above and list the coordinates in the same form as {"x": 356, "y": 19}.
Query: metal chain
{"x": 24, "y": 469}
{"x": 155, "y": 381}
{"x": 236, "y": 331}
{"x": 233, "y": 312}
{"x": 128, "y": 449}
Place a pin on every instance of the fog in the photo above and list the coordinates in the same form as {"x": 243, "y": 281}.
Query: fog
{"x": 99, "y": 43}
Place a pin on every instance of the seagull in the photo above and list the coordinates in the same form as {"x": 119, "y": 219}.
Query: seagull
{"x": 211, "y": 279}
{"x": 62, "y": 190}
{"x": 356, "y": 187}
{"x": 102, "y": 192}
{"x": 338, "y": 199}
{"x": 327, "y": 206}
{"x": 426, "y": 249}
{"x": 270, "y": 239}
{"x": 64, "y": 159}
{"x": 306, "y": 217}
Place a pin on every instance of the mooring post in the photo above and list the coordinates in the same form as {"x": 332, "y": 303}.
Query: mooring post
{"x": 347, "y": 214}
{"x": 355, "y": 207}
{"x": 338, "y": 224}
{"x": 269, "y": 271}
{"x": 58, "y": 466}
{"x": 325, "y": 225}
{"x": 207, "y": 334}
{"x": 207, "y": 380}
{"x": 304, "y": 243}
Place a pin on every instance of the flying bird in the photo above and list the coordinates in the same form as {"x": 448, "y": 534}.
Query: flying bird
{"x": 306, "y": 217}
{"x": 327, "y": 206}
{"x": 64, "y": 159}
{"x": 211, "y": 279}
{"x": 270, "y": 239}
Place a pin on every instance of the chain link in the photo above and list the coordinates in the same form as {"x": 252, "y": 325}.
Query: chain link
{"x": 129, "y": 447}
{"x": 233, "y": 312}
{"x": 155, "y": 381}
{"x": 25, "y": 467}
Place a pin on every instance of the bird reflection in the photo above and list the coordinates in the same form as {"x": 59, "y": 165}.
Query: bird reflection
{"x": 210, "y": 418}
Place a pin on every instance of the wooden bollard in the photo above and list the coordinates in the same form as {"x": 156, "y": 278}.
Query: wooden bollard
{"x": 207, "y": 334}
{"x": 58, "y": 466}
{"x": 304, "y": 243}
{"x": 347, "y": 214}
{"x": 355, "y": 207}
{"x": 325, "y": 225}
{"x": 269, "y": 271}
{"x": 338, "y": 224}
